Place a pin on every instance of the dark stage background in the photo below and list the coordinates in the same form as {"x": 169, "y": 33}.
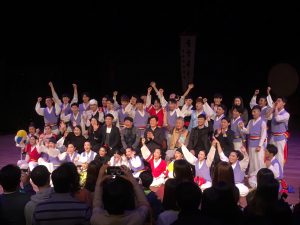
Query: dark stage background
{"x": 103, "y": 48}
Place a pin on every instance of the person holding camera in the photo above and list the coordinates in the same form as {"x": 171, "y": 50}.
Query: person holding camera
{"x": 114, "y": 199}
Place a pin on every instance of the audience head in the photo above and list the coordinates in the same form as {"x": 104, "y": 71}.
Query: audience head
{"x": 183, "y": 170}
{"x": 40, "y": 176}
{"x": 223, "y": 173}
{"x": 146, "y": 179}
{"x": 169, "y": 198}
{"x": 92, "y": 175}
{"x": 10, "y": 176}
{"x": 118, "y": 195}
{"x": 188, "y": 196}
{"x": 66, "y": 178}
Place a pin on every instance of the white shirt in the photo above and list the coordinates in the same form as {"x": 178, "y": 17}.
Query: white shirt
{"x": 87, "y": 157}
{"x": 40, "y": 110}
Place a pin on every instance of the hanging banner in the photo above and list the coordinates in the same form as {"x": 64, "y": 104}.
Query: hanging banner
{"x": 187, "y": 58}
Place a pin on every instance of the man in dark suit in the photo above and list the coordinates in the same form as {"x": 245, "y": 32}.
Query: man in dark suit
{"x": 110, "y": 134}
{"x": 225, "y": 136}
{"x": 154, "y": 135}
{"x": 199, "y": 137}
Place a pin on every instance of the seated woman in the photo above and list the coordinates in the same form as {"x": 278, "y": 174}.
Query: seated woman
{"x": 70, "y": 155}
{"x": 49, "y": 155}
{"x": 76, "y": 138}
{"x": 170, "y": 168}
{"x": 32, "y": 153}
{"x": 202, "y": 165}
{"x": 103, "y": 154}
{"x": 88, "y": 155}
{"x": 94, "y": 134}
{"x": 118, "y": 159}
{"x": 157, "y": 164}
{"x": 135, "y": 162}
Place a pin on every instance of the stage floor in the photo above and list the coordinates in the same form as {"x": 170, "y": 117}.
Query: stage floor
{"x": 10, "y": 154}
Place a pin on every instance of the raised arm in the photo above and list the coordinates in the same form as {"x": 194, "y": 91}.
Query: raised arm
{"x": 75, "y": 94}
{"x": 223, "y": 157}
{"x": 116, "y": 104}
{"x": 254, "y": 98}
{"x": 244, "y": 163}
{"x": 148, "y": 99}
{"x": 188, "y": 155}
{"x": 211, "y": 154}
{"x": 269, "y": 97}
{"x": 147, "y": 155}
{"x": 190, "y": 87}
{"x": 57, "y": 108}
{"x": 38, "y": 109}
{"x": 207, "y": 109}
{"x": 54, "y": 94}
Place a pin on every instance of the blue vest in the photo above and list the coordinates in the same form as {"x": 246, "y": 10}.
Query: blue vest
{"x": 171, "y": 119}
{"x": 275, "y": 161}
{"x": 50, "y": 118}
{"x": 235, "y": 128}
{"x": 254, "y": 131}
{"x": 77, "y": 120}
{"x": 217, "y": 123}
{"x": 82, "y": 109}
{"x": 238, "y": 173}
{"x": 121, "y": 115}
{"x": 279, "y": 128}
{"x": 203, "y": 171}
{"x": 140, "y": 121}
{"x": 67, "y": 109}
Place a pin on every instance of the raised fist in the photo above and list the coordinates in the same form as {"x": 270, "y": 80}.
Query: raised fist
{"x": 190, "y": 86}
{"x": 152, "y": 84}
{"x": 115, "y": 93}
{"x": 39, "y": 99}
{"x": 74, "y": 86}
{"x": 149, "y": 90}
{"x": 256, "y": 92}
